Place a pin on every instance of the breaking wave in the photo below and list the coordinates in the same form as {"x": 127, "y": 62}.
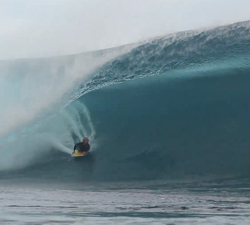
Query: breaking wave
{"x": 173, "y": 106}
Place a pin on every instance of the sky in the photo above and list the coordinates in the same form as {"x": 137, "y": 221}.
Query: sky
{"x": 44, "y": 28}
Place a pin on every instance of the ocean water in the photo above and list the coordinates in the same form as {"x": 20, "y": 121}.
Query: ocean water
{"x": 168, "y": 122}
{"x": 217, "y": 202}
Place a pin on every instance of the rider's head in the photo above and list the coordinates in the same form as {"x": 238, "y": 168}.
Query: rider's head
{"x": 85, "y": 140}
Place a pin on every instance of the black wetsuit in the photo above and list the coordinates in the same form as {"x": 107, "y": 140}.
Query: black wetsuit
{"x": 82, "y": 147}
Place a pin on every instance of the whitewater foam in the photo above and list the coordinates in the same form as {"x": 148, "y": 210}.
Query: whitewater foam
{"x": 193, "y": 126}
{"x": 30, "y": 88}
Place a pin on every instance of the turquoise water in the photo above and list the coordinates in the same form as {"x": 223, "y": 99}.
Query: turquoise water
{"x": 168, "y": 122}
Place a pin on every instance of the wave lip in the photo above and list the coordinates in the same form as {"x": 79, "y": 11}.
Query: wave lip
{"x": 188, "y": 116}
{"x": 190, "y": 50}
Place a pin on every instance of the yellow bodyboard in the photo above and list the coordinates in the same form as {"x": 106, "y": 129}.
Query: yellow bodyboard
{"x": 77, "y": 153}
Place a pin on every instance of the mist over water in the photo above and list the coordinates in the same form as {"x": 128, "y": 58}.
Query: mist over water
{"x": 33, "y": 96}
{"x": 168, "y": 123}
{"x": 186, "y": 115}
{"x": 76, "y": 26}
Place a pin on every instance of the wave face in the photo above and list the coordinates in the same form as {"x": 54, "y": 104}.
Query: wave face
{"x": 187, "y": 115}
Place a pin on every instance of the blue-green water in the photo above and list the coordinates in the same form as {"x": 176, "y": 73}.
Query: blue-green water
{"x": 168, "y": 122}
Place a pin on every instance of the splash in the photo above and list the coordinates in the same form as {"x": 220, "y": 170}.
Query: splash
{"x": 157, "y": 126}
{"x": 56, "y": 133}
{"x": 33, "y": 87}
